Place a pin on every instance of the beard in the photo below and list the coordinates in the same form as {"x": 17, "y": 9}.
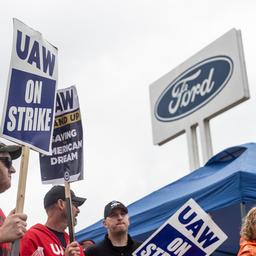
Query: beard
{"x": 4, "y": 186}
{"x": 74, "y": 221}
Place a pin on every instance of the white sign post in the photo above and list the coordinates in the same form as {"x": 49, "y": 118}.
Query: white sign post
{"x": 209, "y": 83}
{"x": 189, "y": 232}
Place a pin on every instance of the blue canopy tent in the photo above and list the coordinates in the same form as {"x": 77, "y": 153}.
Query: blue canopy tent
{"x": 225, "y": 187}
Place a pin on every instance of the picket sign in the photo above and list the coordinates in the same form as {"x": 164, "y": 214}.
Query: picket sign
{"x": 30, "y": 100}
{"x": 190, "y": 231}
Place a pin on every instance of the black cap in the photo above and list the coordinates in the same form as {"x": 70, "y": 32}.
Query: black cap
{"x": 58, "y": 192}
{"x": 13, "y": 150}
{"x": 113, "y": 205}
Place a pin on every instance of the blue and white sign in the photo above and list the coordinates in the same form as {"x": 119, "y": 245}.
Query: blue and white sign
{"x": 66, "y": 162}
{"x": 194, "y": 88}
{"x": 189, "y": 232}
{"x": 207, "y": 84}
{"x": 30, "y": 98}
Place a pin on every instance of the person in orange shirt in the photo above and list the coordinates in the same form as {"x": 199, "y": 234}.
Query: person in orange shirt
{"x": 248, "y": 235}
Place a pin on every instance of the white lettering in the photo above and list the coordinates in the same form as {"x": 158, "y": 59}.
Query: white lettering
{"x": 12, "y": 123}
{"x": 153, "y": 250}
{"x": 29, "y": 119}
{"x": 68, "y": 147}
{"x": 33, "y": 91}
{"x": 65, "y": 135}
{"x": 178, "y": 247}
{"x": 184, "y": 96}
{"x": 64, "y": 159}
{"x": 56, "y": 249}
{"x": 148, "y": 250}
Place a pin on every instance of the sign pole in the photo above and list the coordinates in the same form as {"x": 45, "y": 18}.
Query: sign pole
{"x": 21, "y": 192}
{"x": 69, "y": 211}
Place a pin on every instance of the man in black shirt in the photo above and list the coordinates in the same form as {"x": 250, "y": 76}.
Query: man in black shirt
{"x": 117, "y": 241}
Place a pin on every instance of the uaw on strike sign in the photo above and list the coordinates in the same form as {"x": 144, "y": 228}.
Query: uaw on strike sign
{"x": 66, "y": 161}
{"x": 189, "y": 232}
{"x": 30, "y": 98}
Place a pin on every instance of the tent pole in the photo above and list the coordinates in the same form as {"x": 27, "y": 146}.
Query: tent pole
{"x": 243, "y": 211}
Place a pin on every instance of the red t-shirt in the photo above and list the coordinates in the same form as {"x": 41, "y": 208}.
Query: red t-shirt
{"x": 39, "y": 240}
{"x": 5, "y": 248}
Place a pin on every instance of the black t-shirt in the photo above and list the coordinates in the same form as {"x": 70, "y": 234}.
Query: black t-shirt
{"x": 105, "y": 248}
{"x": 60, "y": 236}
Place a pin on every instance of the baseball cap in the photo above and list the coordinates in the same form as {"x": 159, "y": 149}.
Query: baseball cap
{"x": 58, "y": 192}
{"x": 113, "y": 205}
{"x": 13, "y": 150}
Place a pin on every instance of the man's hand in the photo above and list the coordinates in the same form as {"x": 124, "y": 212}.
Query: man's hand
{"x": 73, "y": 249}
{"x": 14, "y": 227}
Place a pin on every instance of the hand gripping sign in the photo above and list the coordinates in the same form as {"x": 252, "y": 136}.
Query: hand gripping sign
{"x": 30, "y": 97}
{"x": 66, "y": 162}
{"x": 189, "y": 232}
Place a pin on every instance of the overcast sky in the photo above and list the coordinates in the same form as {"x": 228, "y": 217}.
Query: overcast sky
{"x": 112, "y": 50}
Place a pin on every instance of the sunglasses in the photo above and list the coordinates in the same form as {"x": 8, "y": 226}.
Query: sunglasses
{"x": 7, "y": 161}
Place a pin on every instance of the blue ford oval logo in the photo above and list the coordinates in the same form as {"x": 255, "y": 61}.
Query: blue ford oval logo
{"x": 194, "y": 88}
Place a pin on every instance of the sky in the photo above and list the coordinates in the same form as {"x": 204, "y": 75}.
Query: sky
{"x": 112, "y": 50}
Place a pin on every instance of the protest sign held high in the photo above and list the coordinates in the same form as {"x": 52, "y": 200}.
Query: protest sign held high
{"x": 30, "y": 99}
{"x": 189, "y": 232}
{"x": 66, "y": 162}
{"x": 28, "y": 113}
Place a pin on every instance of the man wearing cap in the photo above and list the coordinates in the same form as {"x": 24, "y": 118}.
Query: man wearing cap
{"x": 51, "y": 239}
{"x": 117, "y": 241}
{"x": 14, "y": 225}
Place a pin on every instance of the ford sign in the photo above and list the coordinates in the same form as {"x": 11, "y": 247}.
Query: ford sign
{"x": 194, "y": 88}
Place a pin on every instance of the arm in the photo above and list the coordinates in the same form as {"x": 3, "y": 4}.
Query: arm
{"x": 28, "y": 245}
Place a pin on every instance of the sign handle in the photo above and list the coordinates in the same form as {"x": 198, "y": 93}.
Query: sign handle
{"x": 69, "y": 212}
{"x": 21, "y": 192}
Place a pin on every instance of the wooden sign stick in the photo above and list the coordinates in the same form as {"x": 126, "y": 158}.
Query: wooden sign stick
{"x": 69, "y": 212}
{"x": 21, "y": 192}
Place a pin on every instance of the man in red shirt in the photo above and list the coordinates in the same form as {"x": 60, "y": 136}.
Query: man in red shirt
{"x": 13, "y": 226}
{"x": 51, "y": 239}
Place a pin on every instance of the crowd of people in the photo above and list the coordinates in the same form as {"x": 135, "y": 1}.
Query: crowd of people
{"x": 51, "y": 238}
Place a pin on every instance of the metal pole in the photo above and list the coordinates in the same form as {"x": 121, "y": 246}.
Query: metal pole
{"x": 206, "y": 141}
{"x": 243, "y": 211}
{"x": 192, "y": 148}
